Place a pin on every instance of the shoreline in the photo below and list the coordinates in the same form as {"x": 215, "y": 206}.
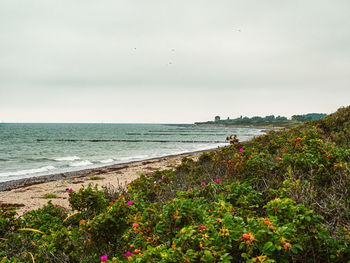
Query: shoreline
{"x": 29, "y": 193}
{"x": 24, "y": 182}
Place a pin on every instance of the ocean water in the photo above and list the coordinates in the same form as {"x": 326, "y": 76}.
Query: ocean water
{"x": 28, "y": 150}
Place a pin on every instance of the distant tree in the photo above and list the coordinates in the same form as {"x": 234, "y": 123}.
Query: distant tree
{"x": 298, "y": 118}
{"x": 270, "y": 118}
{"x": 281, "y": 118}
{"x": 257, "y": 119}
{"x": 245, "y": 119}
{"x": 315, "y": 116}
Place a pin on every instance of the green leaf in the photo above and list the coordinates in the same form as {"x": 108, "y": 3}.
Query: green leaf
{"x": 298, "y": 246}
{"x": 294, "y": 250}
{"x": 268, "y": 245}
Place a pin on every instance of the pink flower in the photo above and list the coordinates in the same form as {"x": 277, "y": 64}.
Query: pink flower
{"x": 202, "y": 183}
{"x": 160, "y": 180}
{"x": 130, "y": 202}
{"x": 104, "y": 258}
{"x": 217, "y": 180}
{"x": 25, "y": 211}
{"x": 202, "y": 227}
{"x": 128, "y": 254}
{"x": 241, "y": 150}
{"x": 70, "y": 190}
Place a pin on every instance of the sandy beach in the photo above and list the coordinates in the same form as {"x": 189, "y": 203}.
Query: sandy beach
{"x": 29, "y": 193}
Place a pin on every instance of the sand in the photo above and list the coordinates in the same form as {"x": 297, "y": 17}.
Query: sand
{"x": 29, "y": 194}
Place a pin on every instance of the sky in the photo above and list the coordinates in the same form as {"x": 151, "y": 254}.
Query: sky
{"x": 161, "y": 61}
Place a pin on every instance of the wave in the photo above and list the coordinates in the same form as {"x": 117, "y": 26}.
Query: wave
{"x": 107, "y": 161}
{"x": 29, "y": 171}
{"x": 82, "y": 163}
{"x": 136, "y": 157}
{"x": 67, "y": 158}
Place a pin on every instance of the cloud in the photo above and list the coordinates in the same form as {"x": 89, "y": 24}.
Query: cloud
{"x": 165, "y": 47}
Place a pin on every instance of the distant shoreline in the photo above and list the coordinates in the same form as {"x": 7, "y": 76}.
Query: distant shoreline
{"x": 269, "y": 127}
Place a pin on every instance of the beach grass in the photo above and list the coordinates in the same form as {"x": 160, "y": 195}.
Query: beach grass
{"x": 49, "y": 196}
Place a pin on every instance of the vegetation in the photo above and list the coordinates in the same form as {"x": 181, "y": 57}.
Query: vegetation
{"x": 271, "y": 120}
{"x": 49, "y": 195}
{"x": 281, "y": 197}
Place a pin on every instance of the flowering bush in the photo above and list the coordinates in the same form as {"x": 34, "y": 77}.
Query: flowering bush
{"x": 281, "y": 197}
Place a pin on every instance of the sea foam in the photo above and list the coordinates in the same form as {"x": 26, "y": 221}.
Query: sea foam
{"x": 29, "y": 171}
{"x": 107, "y": 161}
{"x": 67, "y": 158}
{"x": 82, "y": 163}
{"x": 135, "y": 157}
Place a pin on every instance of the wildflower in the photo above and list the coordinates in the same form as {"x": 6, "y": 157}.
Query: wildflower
{"x": 70, "y": 190}
{"x": 267, "y": 222}
{"x": 229, "y": 161}
{"x": 224, "y": 232}
{"x": 160, "y": 180}
{"x": 137, "y": 251}
{"x": 25, "y": 211}
{"x": 175, "y": 217}
{"x": 130, "y": 202}
{"x": 128, "y": 254}
{"x": 202, "y": 227}
{"x": 218, "y": 180}
{"x": 202, "y": 183}
{"x": 241, "y": 150}
{"x": 135, "y": 225}
{"x": 104, "y": 258}
{"x": 191, "y": 189}
{"x": 245, "y": 236}
{"x": 286, "y": 246}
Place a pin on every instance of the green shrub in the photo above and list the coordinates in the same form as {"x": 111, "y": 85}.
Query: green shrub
{"x": 89, "y": 201}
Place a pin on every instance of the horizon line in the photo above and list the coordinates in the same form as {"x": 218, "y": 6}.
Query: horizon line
{"x": 94, "y": 123}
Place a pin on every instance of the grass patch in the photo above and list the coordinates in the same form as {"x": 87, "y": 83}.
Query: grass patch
{"x": 96, "y": 177}
{"x": 49, "y": 196}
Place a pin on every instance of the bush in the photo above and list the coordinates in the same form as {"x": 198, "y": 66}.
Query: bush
{"x": 89, "y": 201}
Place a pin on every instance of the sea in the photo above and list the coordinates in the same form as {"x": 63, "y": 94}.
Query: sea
{"x": 29, "y": 150}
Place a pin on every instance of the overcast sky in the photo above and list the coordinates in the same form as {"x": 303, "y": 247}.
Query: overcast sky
{"x": 171, "y": 61}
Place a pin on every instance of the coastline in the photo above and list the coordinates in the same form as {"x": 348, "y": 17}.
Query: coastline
{"x": 29, "y": 193}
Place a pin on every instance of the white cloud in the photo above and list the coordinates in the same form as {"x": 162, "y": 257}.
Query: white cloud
{"x": 186, "y": 56}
